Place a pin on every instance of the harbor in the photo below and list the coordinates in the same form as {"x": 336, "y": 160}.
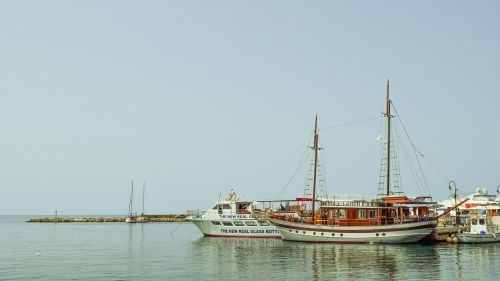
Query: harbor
{"x": 250, "y": 140}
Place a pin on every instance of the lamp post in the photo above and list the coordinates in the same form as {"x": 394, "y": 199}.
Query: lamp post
{"x": 454, "y": 189}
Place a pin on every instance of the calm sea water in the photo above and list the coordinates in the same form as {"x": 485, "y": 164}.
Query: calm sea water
{"x": 173, "y": 251}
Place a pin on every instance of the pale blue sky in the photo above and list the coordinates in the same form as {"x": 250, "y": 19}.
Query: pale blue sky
{"x": 197, "y": 96}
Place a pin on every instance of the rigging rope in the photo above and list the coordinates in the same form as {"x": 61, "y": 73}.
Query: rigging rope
{"x": 415, "y": 150}
{"x": 301, "y": 163}
{"x": 303, "y": 144}
{"x": 413, "y": 170}
{"x": 349, "y": 123}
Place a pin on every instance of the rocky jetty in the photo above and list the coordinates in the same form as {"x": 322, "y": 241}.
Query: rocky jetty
{"x": 151, "y": 218}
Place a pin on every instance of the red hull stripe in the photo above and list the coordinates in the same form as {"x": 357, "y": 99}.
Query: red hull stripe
{"x": 429, "y": 225}
{"x": 242, "y": 236}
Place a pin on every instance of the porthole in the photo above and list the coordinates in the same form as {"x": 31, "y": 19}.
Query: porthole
{"x": 333, "y": 234}
{"x": 290, "y": 230}
{"x": 296, "y": 231}
{"x": 377, "y": 234}
{"x": 304, "y": 232}
{"x": 322, "y": 233}
{"x": 314, "y": 233}
{"x": 383, "y": 234}
{"x": 341, "y": 234}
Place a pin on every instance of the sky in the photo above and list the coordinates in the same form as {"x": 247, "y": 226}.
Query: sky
{"x": 196, "y": 97}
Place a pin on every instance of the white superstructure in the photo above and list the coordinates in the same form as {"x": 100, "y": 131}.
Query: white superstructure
{"x": 231, "y": 217}
{"x": 479, "y": 201}
{"x": 481, "y": 230}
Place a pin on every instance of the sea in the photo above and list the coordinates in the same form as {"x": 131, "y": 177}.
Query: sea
{"x": 178, "y": 251}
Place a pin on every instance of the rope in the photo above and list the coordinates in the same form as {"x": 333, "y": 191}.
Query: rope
{"x": 349, "y": 123}
{"x": 175, "y": 229}
{"x": 301, "y": 163}
{"x": 302, "y": 145}
{"x": 420, "y": 153}
{"x": 415, "y": 149}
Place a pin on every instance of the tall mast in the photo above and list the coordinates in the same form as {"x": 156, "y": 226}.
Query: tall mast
{"x": 388, "y": 115}
{"x": 143, "y": 188}
{"x": 130, "y": 207}
{"x": 315, "y": 148}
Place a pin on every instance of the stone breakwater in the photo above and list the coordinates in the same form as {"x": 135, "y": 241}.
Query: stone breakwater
{"x": 151, "y": 218}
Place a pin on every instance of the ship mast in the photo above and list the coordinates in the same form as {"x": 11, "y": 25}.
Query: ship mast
{"x": 315, "y": 148}
{"x": 143, "y": 188}
{"x": 130, "y": 207}
{"x": 388, "y": 115}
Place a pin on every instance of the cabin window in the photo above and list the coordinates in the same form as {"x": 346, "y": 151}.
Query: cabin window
{"x": 481, "y": 221}
{"x": 361, "y": 214}
{"x": 465, "y": 212}
{"x": 372, "y": 214}
{"x": 251, "y": 223}
{"x": 238, "y": 223}
{"x": 227, "y": 223}
{"x": 474, "y": 221}
{"x": 263, "y": 223}
{"x": 242, "y": 206}
{"x": 215, "y": 222}
{"x": 226, "y": 206}
{"x": 342, "y": 213}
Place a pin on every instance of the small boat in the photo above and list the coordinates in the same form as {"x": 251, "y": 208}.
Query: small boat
{"x": 233, "y": 217}
{"x": 481, "y": 230}
{"x": 142, "y": 218}
{"x": 131, "y": 218}
{"x": 391, "y": 217}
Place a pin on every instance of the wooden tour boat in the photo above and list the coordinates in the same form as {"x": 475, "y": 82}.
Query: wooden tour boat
{"x": 391, "y": 217}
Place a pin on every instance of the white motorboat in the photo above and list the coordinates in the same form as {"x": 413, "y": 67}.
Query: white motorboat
{"x": 232, "y": 217}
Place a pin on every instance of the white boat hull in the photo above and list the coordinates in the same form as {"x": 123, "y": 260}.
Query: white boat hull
{"x": 130, "y": 220}
{"x": 258, "y": 231}
{"x": 399, "y": 233}
{"x": 142, "y": 220}
{"x": 478, "y": 238}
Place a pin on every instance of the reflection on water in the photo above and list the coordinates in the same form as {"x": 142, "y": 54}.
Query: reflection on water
{"x": 472, "y": 261}
{"x": 93, "y": 251}
{"x": 237, "y": 258}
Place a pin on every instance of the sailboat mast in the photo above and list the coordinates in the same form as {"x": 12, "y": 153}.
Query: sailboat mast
{"x": 388, "y": 115}
{"x": 131, "y": 199}
{"x": 315, "y": 148}
{"x": 143, "y": 188}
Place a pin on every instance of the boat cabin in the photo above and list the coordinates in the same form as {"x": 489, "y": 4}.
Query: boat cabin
{"x": 232, "y": 207}
{"x": 383, "y": 211}
{"x": 481, "y": 224}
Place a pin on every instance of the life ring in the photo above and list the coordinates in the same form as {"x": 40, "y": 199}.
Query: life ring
{"x": 302, "y": 208}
